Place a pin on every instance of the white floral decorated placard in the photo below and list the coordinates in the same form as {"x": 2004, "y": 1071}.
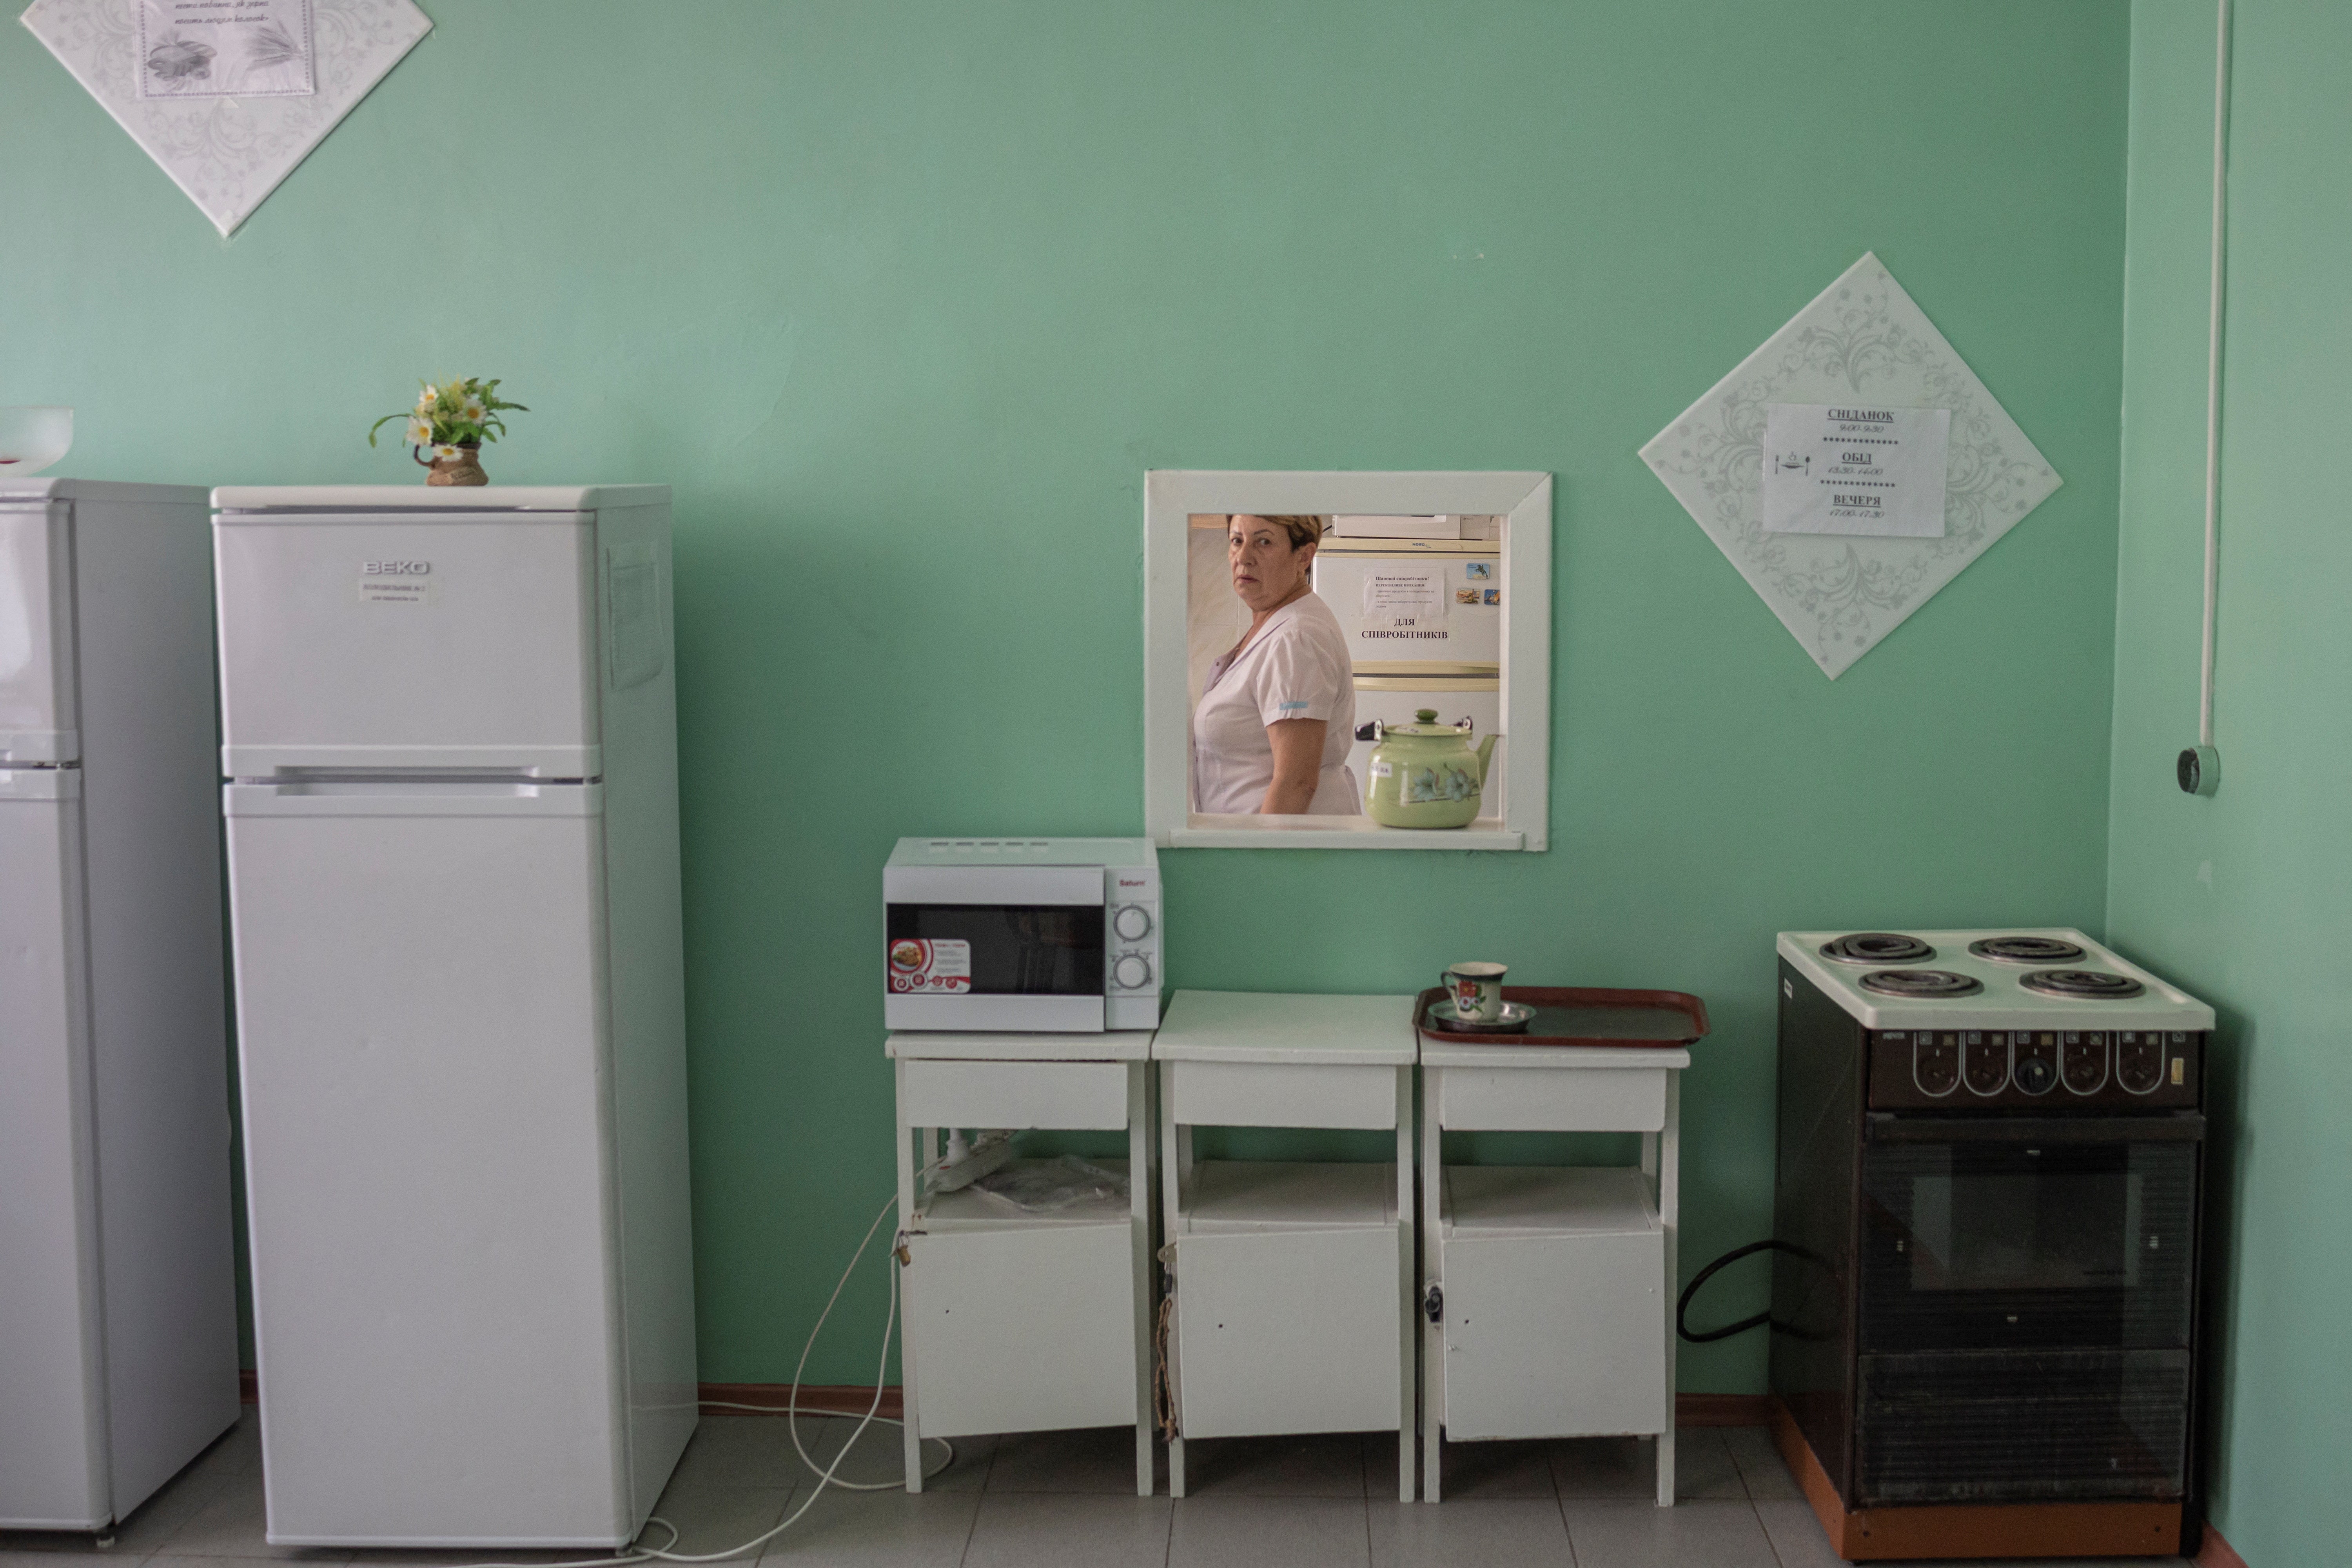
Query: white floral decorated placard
{"x": 227, "y": 152}
{"x": 1862, "y": 340}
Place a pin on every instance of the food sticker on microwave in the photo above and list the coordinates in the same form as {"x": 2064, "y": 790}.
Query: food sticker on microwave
{"x": 929, "y": 968}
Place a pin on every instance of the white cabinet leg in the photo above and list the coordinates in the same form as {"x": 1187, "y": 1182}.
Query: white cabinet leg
{"x": 1138, "y": 1197}
{"x": 1408, "y": 1294}
{"x": 1670, "y": 1201}
{"x": 1175, "y": 1172}
{"x": 911, "y": 1159}
{"x": 1432, "y": 1246}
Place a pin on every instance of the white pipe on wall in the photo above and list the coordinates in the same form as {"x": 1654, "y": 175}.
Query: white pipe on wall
{"x": 2200, "y": 769}
{"x": 2213, "y": 365}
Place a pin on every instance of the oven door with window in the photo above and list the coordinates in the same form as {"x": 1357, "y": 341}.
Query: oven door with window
{"x": 1033, "y": 964}
{"x": 2026, "y": 1307}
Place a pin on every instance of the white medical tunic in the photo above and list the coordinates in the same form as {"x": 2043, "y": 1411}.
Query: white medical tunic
{"x": 1298, "y": 667}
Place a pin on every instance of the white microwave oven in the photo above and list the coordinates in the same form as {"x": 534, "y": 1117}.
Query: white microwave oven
{"x": 1054, "y": 935}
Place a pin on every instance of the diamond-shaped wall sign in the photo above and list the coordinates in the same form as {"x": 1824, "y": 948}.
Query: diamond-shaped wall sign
{"x": 1840, "y": 594}
{"x": 228, "y": 154}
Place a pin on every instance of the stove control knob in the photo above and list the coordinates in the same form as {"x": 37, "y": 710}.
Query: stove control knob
{"x": 1131, "y": 973}
{"x": 1133, "y": 923}
{"x": 1935, "y": 1063}
{"x": 2034, "y": 1074}
{"x": 1984, "y": 1064}
{"x": 2140, "y": 1066}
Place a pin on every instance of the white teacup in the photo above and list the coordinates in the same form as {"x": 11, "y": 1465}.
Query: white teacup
{"x": 1478, "y": 991}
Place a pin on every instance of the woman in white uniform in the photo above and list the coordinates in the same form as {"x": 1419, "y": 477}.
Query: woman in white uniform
{"x": 1274, "y": 726}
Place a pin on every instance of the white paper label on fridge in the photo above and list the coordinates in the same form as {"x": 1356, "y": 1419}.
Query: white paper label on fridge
{"x": 633, "y": 617}
{"x": 1854, "y": 468}
{"x": 415, "y": 590}
{"x": 1412, "y": 599}
{"x": 929, "y": 968}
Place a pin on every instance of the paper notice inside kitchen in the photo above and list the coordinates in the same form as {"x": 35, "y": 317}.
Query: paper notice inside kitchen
{"x": 1853, "y": 469}
{"x": 1405, "y": 599}
{"x": 225, "y": 48}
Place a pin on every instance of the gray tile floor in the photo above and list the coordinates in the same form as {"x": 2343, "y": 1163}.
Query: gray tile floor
{"x": 1046, "y": 1499}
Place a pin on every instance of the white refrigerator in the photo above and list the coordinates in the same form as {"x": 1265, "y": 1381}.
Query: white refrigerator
{"x": 449, "y": 734}
{"x": 118, "y": 1294}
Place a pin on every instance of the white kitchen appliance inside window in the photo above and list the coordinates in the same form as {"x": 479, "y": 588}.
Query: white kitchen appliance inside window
{"x": 1449, "y": 662}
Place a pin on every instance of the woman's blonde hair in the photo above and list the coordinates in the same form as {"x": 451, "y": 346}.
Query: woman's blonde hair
{"x": 1305, "y": 528}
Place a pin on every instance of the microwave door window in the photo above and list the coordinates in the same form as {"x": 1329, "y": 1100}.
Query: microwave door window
{"x": 1040, "y": 950}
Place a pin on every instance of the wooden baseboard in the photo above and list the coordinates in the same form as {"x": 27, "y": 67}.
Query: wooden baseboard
{"x": 849, "y": 1399}
{"x": 852, "y": 1399}
{"x": 2217, "y": 1552}
{"x": 1974, "y": 1530}
{"x": 1723, "y": 1410}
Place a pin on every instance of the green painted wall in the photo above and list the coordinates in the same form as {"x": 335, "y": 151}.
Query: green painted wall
{"x": 903, "y": 298}
{"x": 2242, "y": 897}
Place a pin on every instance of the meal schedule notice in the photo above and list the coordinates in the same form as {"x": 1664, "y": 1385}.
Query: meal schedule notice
{"x": 1854, "y": 468}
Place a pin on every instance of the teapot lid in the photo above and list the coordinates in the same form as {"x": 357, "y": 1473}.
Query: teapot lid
{"x": 1425, "y": 723}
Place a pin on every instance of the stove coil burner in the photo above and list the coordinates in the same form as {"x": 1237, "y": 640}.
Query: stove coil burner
{"x": 1928, "y": 984}
{"x": 2027, "y": 950}
{"x": 2094, "y": 985}
{"x": 1877, "y": 947}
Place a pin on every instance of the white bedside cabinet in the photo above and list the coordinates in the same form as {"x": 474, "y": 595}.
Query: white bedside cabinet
{"x": 1548, "y": 1292}
{"x": 1015, "y": 1322}
{"x": 1290, "y": 1284}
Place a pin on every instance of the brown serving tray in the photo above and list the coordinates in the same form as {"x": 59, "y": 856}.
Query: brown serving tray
{"x": 1582, "y": 1016}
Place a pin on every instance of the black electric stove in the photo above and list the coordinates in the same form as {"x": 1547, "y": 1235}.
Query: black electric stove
{"x": 1988, "y": 1199}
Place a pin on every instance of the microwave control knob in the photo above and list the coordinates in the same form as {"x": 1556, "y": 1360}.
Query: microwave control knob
{"x": 1133, "y": 923}
{"x": 1132, "y": 971}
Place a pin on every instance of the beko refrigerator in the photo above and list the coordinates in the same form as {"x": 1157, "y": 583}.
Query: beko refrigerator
{"x": 118, "y": 1293}
{"x": 449, "y": 731}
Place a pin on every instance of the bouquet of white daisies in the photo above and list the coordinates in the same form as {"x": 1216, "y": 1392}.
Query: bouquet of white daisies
{"x": 453, "y": 416}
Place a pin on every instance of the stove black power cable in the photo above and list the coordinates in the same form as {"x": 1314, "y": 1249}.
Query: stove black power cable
{"x": 1682, "y": 1305}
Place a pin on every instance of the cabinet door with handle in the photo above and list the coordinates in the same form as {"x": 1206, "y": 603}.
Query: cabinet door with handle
{"x": 1555, "y": 1336}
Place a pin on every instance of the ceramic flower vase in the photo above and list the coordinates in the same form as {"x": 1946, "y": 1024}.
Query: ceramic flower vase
{"x": 464, "y": 469}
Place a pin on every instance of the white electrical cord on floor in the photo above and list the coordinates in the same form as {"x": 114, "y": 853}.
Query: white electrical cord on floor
{"x": 791, "y": 1411}
{"x": 837, "y": 1483}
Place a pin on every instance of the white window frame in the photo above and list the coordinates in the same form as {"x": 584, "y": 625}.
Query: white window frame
{"x": 1170, "y": 498}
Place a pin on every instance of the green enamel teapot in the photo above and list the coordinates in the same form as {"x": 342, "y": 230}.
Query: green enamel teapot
{"x": 1424, "y": 774}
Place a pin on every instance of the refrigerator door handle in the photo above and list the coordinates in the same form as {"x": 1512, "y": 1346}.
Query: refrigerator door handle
{"x": 412, "y": 797}
{"x": 40, "y": 783}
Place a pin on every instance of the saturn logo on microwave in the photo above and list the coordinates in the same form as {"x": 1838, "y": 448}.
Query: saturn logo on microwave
{"x": 397, "y": 568}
